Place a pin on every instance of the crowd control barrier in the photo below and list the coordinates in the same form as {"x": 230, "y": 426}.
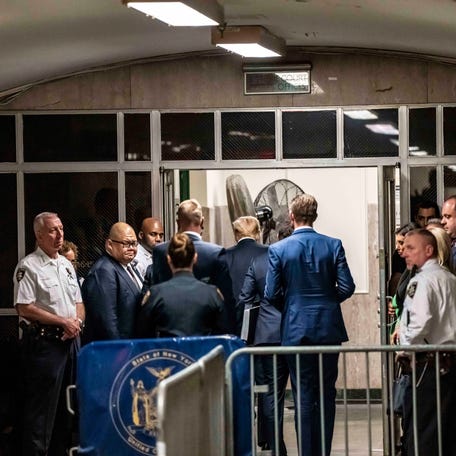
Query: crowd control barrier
{"x": 117, "y": 390}
{"x": 195, "y": 395}
{"x": 356, "y": 438}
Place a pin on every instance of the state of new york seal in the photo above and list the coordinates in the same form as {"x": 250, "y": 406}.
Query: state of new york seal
{"x": 133, "y": 397}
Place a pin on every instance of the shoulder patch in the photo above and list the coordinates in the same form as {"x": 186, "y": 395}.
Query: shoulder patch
{"x": 412, "y": 289}
{"x": 220, "y": 294}
{"x": 145, "y": 298}
{"x": 20, "y": 273}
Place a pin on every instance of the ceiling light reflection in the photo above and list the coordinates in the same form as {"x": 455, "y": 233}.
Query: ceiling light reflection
{"x": 383, "y": 129}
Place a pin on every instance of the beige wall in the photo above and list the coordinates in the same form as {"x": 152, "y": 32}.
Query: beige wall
{"x": 216, "y": 82}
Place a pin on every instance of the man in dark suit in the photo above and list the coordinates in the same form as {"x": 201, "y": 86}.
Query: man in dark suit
{"x": 112, "y": 289}
{"x": 211, "y": 265}
{"x": 311, "y": 271}
{"x": 267, "y": 333}
{"x": 239, "y": 257}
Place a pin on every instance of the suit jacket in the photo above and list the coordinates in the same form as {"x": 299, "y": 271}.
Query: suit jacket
{"x": 267, "y": 329}
{"x": 210, "y": 267}
{"x": 313, "y": 273}
{"x": 111, "y": 300}
{"x": 238, "y": 259}
{"x": 182, "y": 306}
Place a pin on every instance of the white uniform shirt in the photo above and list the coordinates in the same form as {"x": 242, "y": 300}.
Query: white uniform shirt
{"x": 48, "y": 283}
{"x": 429, "y": 315}
{"x": 142, "y": 260}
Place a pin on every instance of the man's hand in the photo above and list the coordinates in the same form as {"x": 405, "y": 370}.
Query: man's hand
{"x": 71, "y": 328}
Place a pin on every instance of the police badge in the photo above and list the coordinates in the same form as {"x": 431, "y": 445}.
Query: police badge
{"x": 412, "y": 289}
{"x": 145, "y": 298}
{"x": 20, "y": 273}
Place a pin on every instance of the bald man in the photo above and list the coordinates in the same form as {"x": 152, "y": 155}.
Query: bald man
{"x": 112, "y": 288}
{"x": 150, "y": 235}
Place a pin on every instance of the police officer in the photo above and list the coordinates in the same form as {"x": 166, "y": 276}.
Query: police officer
{"x": 429, "y": 317}
{"x": 182, "y": 306}
{"x": 49, "y": 303}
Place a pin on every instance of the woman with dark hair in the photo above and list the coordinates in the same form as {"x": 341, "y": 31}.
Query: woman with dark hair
{"x": 183, "y": 305}
{"x": 398, "y": 263}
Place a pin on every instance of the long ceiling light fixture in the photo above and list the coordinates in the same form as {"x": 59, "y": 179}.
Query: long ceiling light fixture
{"x": 248, "y": 41}
{"x": 187, "y": 13}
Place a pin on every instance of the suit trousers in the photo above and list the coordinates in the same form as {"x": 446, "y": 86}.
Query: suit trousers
{"x": 307, "y": 401}
{"x": 264, "y": 375}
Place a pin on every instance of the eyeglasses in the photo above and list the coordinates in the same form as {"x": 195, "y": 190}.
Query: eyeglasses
{"x": 126, "y": 244}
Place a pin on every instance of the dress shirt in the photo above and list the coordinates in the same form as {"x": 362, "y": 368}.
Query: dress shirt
{"x": 48, "y": 283}
{"x": 142, "y": 260}
{"x": 429, "y": 315}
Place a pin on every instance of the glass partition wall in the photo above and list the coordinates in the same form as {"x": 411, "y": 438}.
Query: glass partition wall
{"x": 94, "y": 168}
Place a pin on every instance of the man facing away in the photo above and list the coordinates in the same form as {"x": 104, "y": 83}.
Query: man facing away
{"x": 112, "y": 288}
{"x": 211, "y": 265}
{"x": 48, "y": 301}
{"x": 311, "y": 271}
{"x": 238, "y": 257}
{"x": 429, "y": 317}
{"x": 150, "y": 235}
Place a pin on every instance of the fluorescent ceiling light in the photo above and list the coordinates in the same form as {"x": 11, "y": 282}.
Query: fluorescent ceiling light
{"x": 362, "y": 114}
{"x": 249, "y": 50}
{"x": 248, "y": 41}
{"x": 383, "y": 129}
{"x": 188, "y": 13}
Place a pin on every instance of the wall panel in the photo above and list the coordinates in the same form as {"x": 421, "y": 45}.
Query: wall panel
{"x": 216, "y": 81}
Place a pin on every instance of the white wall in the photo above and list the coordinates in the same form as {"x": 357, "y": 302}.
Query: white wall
{"x": 343, "y": 197}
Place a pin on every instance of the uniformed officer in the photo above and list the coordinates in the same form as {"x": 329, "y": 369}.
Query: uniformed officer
{"x": 429, "y": 317}
{"x": 49, "y": 303}
{"x": 183, "y": 305}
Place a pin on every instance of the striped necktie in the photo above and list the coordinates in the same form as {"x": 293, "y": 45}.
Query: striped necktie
{"x": 133, "y": 276}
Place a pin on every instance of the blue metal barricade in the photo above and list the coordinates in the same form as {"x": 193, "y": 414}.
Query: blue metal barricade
{"x": 117, "y": 391}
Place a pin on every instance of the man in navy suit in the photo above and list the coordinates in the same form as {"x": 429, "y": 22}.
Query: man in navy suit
{"x": 311, "y": 271}
{"x": 239, "y": 257}
{"x": 267, "y": 333}
{"x": 112, "y": 289}
{"x": 211, "y": 265}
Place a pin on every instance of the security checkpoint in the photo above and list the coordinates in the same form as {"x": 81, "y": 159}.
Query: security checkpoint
{"x": 168, "y": 396}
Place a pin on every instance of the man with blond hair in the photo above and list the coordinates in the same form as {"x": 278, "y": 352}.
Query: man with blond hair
{"x": 309, "y": 276}
{"x": 238, "y": 257}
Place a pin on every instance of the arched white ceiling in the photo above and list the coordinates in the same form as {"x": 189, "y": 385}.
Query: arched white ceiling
{"x": 43, "y": 39}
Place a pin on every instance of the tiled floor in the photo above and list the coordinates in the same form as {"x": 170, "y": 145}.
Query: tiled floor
{"x": 358, "y": 432}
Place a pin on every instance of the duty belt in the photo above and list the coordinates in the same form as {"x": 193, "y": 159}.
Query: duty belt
{"x": 447, "y": 360}
{"x": 38, "y": 331}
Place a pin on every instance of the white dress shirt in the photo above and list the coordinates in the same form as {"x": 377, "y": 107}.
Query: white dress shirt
{"x": 48, "y": 283}
{"x": 429, "y": 315}
{"x": 142, "y": 260}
